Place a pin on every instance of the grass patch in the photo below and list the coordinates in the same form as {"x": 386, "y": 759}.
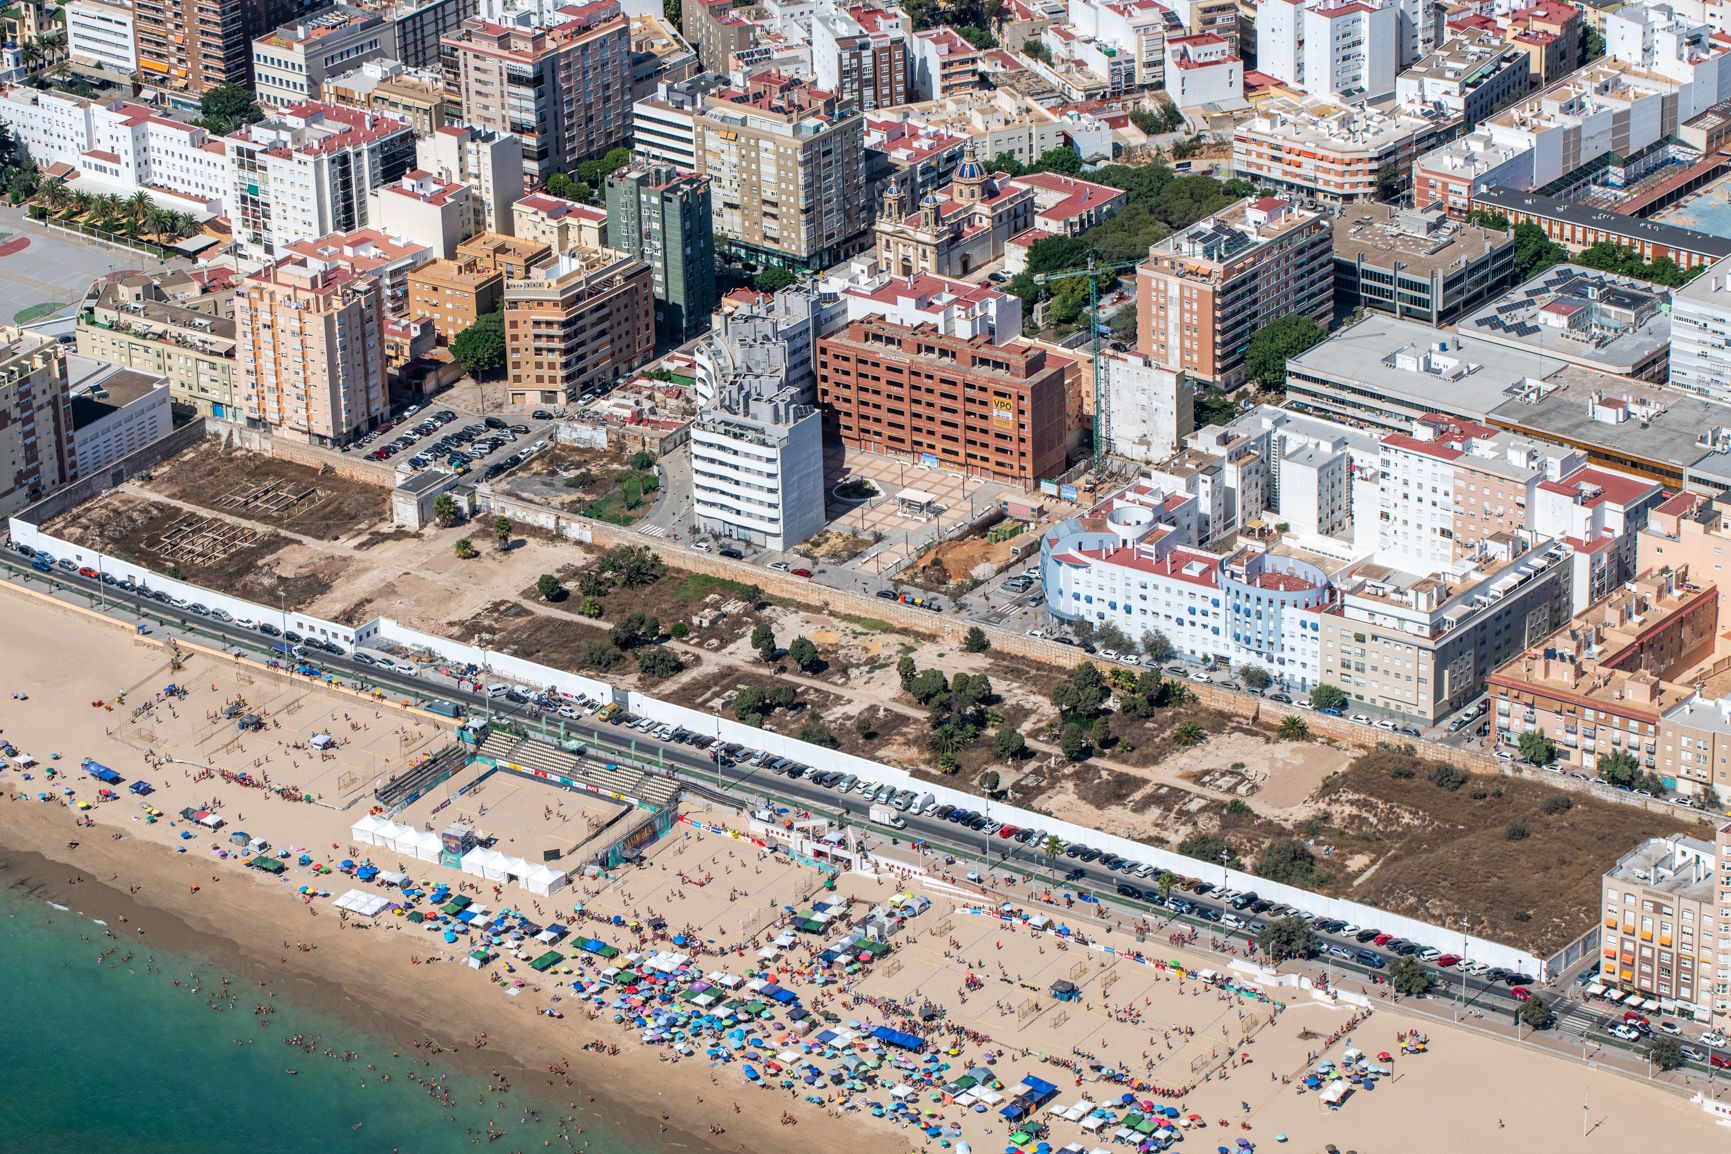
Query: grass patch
{"x": 697, "y": 586}
{"x": 872, "y": 624}
{"x": 37, "y": 311}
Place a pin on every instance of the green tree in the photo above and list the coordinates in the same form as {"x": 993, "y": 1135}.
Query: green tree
{"x": 1293, "y": 728}
{"x": 975, "y": 640}
{"x": 929, "y": 686}
{"x": 816, "y": 732}
{"x": 763, "y": 640}
{"x": 1073, "y": 741}
{"x": 1665, "y": 1053}
{"x": 1536, "y": 1012}
{"x": 465, "y": 549}
{"x": 803, "y": 653}
{"x": 1266, "y": 356}
{"x": 749, "y": 705}
{"x": 1255, "y": 677}
{"x": 1035, "y": 50}
{"x": 906, "y": 670}
{"x": 1618, "y": 767}
{"x": 1155, "y": 646}
{"x": 548, "y": 586}
{"x": 637, "y": 629}
{"x": 1595, "y": 45}
{"x": 633, "y": 565}
{"x": 1534, "y": 251}
{"x": 226, "y": 108}
{"x": 1326, "y": 696}
{"x": 1285, "y": 938}
{"x": 445, "y": 510}
{"x": 773, "y": 280}
{"x": 1208, "y": 847}
{"x": 1010, "y": 744}
{"x": 1410, "y": 977}
{"x": 1535, "y": 747}
{"x": 502, "y": 529}
{"x": 589, "y": 607}
{"x": 1389, "y": 183}
{"x": 1061, "y": 160}
{"x": 1287, "y": 860}
{"x": 562, "y": 186}
{"x": 658, "y": 662}
{"x": 642, "y": 459}
{"x": 989, "y": 781}
{"x": 862, "y": 725}
{"x": 480, "y": 348}
{"x": 1081, "y": 696}
{"x": 1188, "y": 733}
{"x": 1052, "y": 847}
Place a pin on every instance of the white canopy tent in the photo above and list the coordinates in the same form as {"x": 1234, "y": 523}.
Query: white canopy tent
{"x": 363, "y": 904}
{"x": 544, "y": 879}
{"x": 486, "y": 863}
{"x": 424, "y": 844}
{"x": 366, "y": 830}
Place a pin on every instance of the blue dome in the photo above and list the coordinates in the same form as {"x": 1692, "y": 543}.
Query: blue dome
{"x": 970, "y": 170}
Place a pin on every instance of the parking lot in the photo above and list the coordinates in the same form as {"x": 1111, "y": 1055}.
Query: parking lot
{"x": 434, "y": 438}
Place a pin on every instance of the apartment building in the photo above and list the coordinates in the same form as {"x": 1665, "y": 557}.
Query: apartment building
{"x": 514, "y": 256}
{"x": 166, "y": 327}
{"x": 1421, "y": 646}
{"x": 290, "y": 64}
{"x": 1689, "y": 531}
{"x": 786, "y": 166}
{"x": 101, "y": 37}
{"x": 1005, "y": 120}
{"x": 663, "y": 128}
{"x": 664, "y": 217}
{"x": 1205, "y": 290}
{"x": 1149, "y": 410}
{"x": 1202, "y": 71}
{"x": 564, "y": 88}
{"x": 1329, "y": 48}
{"x": 943, "y": 63}
{"x": 1135, "y": 566}
{"x": 115, "y": 413}
{"x": 391, "y": 88}
{"x": 1418, "y": 264}
{"x": 311, "y": 351}
{"x": 454, "y": 294}
{"x": 862, "y": 54}
{"x": 1473, "y": 74}
{"x": 419, "y": 26}
{"x": 122, "y": 147}
{"x": 1604, "y": 683}
{"x": 1695, "y": 749}
{"x": 308, "y": 171}
{"x": 1700, "y": 355}
{"x": 560, "y": 224}
{"x": 764, "y": 342}
{"x": 757, "y": 468}
{"x": 718, "y": 30}
{"x": 372, "y": 253}
{"x": 490, "y": 163}
{"x": 38, "y": 453}
{"x": 1136, "y": 28}
{"x": 961, "y": 403}
{"x": 585, "y": 318}
{"x": 1662, "y": 939}
{"x": 425, "y": 209}
{"x": 186, "y": 47}
{"x": 1330, "y": 153}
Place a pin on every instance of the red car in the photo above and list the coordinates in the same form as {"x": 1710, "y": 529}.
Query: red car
{"x": 1520, "y": 993}
{"x": 1383, "y": 939}
{"x": 87, "y": 571}
{"x": 800, "y": 572}
{"x": 1007, "y": 831}
{"x": 1448, "y": 960}
{"x": 1636, "y": 1019}
{"x": 1722, "y": 1061}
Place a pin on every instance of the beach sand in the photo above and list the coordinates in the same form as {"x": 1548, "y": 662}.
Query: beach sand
{"x": 1480, "y": 1090}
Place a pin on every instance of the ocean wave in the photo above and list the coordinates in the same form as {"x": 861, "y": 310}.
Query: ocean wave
{"x": 58, "y": 906}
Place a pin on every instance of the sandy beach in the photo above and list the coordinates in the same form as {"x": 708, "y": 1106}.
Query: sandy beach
{"x": 1243, "y": 1053}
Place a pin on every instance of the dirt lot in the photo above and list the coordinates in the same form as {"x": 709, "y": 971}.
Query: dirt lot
{"x": 208, "y": 551}
{"x": 714, "y": 688}
{"x": 283, "y": 495}
{"x": 953, "y": 562}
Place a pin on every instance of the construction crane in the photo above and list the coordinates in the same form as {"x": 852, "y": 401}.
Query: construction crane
{"x": 1102, "y": 418}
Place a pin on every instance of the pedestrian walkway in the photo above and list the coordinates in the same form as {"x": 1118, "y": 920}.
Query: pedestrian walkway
{"x": 652, "y": 530}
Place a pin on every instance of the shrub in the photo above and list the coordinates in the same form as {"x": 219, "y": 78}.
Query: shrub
{"x": 1402, "y": 770}
{"x": 1558, "y": 803}
{"x": 657, "y": 662}
{"x": 1515, "y": 831}
{"x": 1448, "y": 777}
{"x": 679, "y": 629}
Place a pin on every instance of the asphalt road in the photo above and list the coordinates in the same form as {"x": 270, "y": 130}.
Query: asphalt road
{"x": 943, "y": 838}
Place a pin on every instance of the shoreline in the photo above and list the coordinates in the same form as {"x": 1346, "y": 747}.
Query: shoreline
{"x": 610, "y": 1092}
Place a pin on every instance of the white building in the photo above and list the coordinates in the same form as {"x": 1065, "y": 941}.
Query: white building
{"x": 1203, "y": 70}
{"x": 1701, "y": 333}
{"x": 1142, "y": 574}
{"x": 953, "y": 307}
{"x": 121, "y": 147}
{"x": 290, "y": 63}
{"x": 757, "y": 468}
{"x": 116, "y": 412}
{"x": 1150, "y": 409}
{"x": 102, "y": 34}
{"x": 1349, "y": 49}
{"x": 661, "y": 125}
{"x": 1136, "y": 28}
{"x": 489, "y": 162}
{"x": 308, "y": 170}
{"x": 862, "y": 52}
{"x": 421, "y": 207}
{"x": 768, "y": 343}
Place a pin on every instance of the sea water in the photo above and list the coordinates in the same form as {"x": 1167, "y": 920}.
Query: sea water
{"x": 113, "y": 1056}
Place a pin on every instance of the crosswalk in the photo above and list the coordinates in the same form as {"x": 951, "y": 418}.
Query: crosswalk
{"x": 652, "y": 530}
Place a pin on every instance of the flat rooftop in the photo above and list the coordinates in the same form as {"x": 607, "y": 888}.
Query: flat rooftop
{"x": 1602, "y": 340}
{"x": 112, "y": 393}
{"x": 1423, "y": 241}
{"x": 1654, "y": 866}
{"x": 1573, "y": 212}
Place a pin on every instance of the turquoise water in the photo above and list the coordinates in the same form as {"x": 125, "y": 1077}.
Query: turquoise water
{"x": 112, "y": 1056}
{"x": 1710, "y": 212}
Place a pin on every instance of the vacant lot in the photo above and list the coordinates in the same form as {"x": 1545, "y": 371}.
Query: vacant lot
{"x": 283, "y": 495}
{"x": 955, "y": 562}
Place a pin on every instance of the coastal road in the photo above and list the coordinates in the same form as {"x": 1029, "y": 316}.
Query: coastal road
{"x": 1086, "y": 883}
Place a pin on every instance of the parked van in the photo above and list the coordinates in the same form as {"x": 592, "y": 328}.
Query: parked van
{"x": 498, "y": 690}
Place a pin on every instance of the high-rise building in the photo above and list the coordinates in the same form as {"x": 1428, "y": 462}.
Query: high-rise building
{"x": 488, "y": 161}
{"x": 1206, "y": 289}
{"x": 393, "y": 89}
{"x": 37, "y": 448}
{"x": 161, "y": 325}
{"x": 962, "y": 403}
{"x": 290, "y": 63}
{"x": 564, "y": 88}
{"x": 786, "y": 164}
{"x": 1665, "y": 924}
{"x": 312, "y": 353}
{"x": 662, "y": 126}
{"x": 101, "y": 37}
{"x": 186, "y": 47}
{"x": 663, "y": 217}
{"x": 586, "y": 318}
{"x": 308, "y": 170}
{"x": 757, "y": 468}
{"x": 1701, "y": 334}
{"x": 861, "y": 54}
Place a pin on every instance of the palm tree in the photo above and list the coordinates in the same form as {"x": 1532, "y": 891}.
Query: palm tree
{"x": 1164, "y": 884}
{"x": 54, "y": 194}
{"x": 83, "y": 201}
{"x": 138, "y": 205}
{"x": 1294, "y": 728}
{"x": 1187, "y": 733}
{"x": 186, "y": 224}
{"x": 158, "y": 222}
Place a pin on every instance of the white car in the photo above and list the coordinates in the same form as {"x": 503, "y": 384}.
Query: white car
{"x": 1429, "y": 954}
{"x": 1109, "y": 654}
{"x": 1036, "y": 633}
{"x": 246, "y": 623}
{"x": 1348, "y": 930}
{"x": 702, "y": 546}
{"x": 1201, "y": 675}
{"x": 1361, "y": 719}
{"x": 1626, "y": 1032}
{"x": 1302, "y": 703}
{"x": 1130, "y": 659}
{"x": 782, "y": 566}
{"x": 1712, "y": 1039}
